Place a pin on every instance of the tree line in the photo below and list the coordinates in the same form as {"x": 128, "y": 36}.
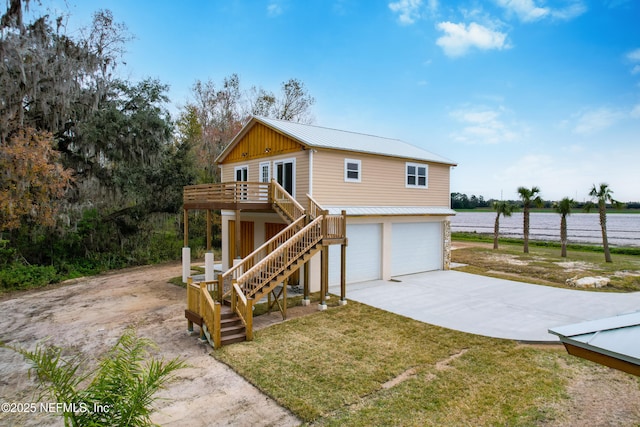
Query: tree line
{"x": 92, "y": 166}
{"x": 600, "y": 196}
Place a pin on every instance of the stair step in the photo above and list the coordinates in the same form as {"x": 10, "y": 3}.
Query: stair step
{"x": 231, "y": 339}
{"x": 232, "y": 330}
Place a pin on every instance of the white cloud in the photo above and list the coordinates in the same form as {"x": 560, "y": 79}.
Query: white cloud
{"x": 572, "y": 11}
{"x": 634, "y": 55}
{"x": 408, "y": 10}
{"x": 459, "y": 38}
{"x": 483, "y": 125}
{"x": 635, "y": 112}
{"x": 529, "y": 11}
{"x": 526, "y": 10}
{"x": 274, "y": 9}
{"x": 592, "y": 121}
{"x": 635, "y": 70}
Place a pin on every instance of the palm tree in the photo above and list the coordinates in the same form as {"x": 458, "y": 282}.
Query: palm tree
{"x": 602, "y": 195}
{"x": 529, "y": 198}
{"x": 563, "y": 207}
{"x": 502, "y": 208}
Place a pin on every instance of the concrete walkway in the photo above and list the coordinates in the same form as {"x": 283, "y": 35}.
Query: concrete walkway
{"x": 487, "y": 306}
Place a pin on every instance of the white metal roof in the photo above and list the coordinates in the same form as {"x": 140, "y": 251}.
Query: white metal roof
{"x": 390, "y": 210}
{"x": 617, "y": 336}
{"x": 321, "y": 137}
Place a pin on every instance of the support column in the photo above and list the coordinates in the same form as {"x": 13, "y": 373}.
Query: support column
{"x": 238, "y": 241}
{"x": 186, "y": 250}
{"x": 208, "y": 267}
{"x": 186, "y": 264}
{"x": 343, "y": 274}
{"x": 324, "y": 276}
{"x": 305, "y": 298}
{"x": 208, "y": 229}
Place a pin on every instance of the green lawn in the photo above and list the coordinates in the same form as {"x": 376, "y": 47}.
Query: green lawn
{"x": 330, "y": 368}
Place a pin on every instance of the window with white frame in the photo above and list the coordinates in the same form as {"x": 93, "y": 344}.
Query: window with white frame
{"x": 352, "y": 170}
{"x": 265, "y": 172}
{"x": 417, "y": 175}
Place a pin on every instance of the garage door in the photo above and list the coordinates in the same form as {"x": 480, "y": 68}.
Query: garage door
{"x": 416, "y": 247}
{"x": 364, "y": 254}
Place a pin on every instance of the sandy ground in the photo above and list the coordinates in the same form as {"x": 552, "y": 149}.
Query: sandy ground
{"x": 90, "y": 316}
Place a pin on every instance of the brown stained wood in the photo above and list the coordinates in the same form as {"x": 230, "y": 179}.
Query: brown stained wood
{"x": 603, "y": 359}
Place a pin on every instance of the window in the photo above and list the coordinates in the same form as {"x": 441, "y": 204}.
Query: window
{"x": 242, "y": 173}
{"x": 265, "y": 172}
{"x": 417, "y": 175}
{"x": 352, "y": 170}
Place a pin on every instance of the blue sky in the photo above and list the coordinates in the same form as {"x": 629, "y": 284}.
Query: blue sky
{"x": 517, "y": 92}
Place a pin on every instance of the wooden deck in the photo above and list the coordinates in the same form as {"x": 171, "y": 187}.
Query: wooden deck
{"x": 228, "y": 195}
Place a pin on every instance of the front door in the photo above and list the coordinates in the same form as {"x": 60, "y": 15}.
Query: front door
{"x": 285, "y": 174}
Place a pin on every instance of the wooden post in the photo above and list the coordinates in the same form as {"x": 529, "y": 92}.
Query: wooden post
{"x": 249, "y": 319}
{"x": 186, "y": 228}
{"x": 189, "y": 322}
{"x": 220, "y": 288}
{"x": 324, "y": 276}
{"x": 208, "y": 229}
{"x": 343, "y": 260}
{"x": 285, "y": 285}
{"x": 217, "y": 333}
{"x": 238, "y": 242}
{"x": 305, "y": 298}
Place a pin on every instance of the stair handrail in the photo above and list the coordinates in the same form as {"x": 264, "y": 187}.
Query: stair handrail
{"x": 314, "y": 209}
{"x": 243, "y": 307}
{"x": 224, "y": 279}
{"x": 279, "y": 259}
{"x": 210, "y": 311}
{"x": 281, "y": 198}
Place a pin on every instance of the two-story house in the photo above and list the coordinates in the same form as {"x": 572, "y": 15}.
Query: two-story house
{"x": 394, "y": 198}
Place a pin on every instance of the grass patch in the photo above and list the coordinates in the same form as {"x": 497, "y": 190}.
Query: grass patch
{"x": 544, "y": 265}
{"x": 330, "y": 367}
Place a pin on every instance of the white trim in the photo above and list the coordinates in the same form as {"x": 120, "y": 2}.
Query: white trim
{"x": 237, "y": 168}
{"x": 417, "y": 176}
{"x": 260, "y": 167}
{"x": 346, "y": 171}
{"x": 291, "y": 160}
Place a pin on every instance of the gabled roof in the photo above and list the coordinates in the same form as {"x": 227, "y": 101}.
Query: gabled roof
{"x": 321, "y": 137}
{"x": 614, "y": 338}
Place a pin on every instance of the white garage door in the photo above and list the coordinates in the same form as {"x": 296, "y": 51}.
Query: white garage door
{"x": 364, "y": 254}
{"x": 415, "y": 247}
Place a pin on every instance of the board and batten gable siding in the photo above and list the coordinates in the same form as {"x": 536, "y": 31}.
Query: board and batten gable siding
{"x": 301, "y": 171}
{"x": 259, "y": 142}
{"x": 383, "y": 181}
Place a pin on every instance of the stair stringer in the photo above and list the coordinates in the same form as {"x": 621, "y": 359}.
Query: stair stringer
{"x": 269, "y": 285}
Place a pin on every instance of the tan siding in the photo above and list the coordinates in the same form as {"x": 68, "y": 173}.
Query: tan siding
{"x": 382, "y": 182}
{"x": 260, "y": 142}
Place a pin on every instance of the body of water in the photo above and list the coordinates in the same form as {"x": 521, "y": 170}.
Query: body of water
{"x": 622, "y": 229}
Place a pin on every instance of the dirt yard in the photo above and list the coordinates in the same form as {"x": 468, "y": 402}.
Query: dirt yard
{"x": 90, "y": 316}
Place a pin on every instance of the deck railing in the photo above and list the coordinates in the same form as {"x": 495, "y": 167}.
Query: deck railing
{"x": 252, "y": 281}
{"x": 243, "y": 306}
{"x": 227, "y": 192}
{"x": 225, "y": 279}
{"x": 283, "y": 200}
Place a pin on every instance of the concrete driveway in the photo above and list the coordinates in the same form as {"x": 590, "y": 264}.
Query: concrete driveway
{"x": 487, "y": 306}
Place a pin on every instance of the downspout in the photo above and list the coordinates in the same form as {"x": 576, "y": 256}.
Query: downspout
{"x": 311, "y": 172}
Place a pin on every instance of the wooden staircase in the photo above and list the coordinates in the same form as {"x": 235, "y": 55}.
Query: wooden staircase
{"x": 260, "y": 272}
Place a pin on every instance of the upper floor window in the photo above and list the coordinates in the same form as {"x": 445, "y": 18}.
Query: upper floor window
{"x": 417, "y": 175}
{"x": 352, "y": 170}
